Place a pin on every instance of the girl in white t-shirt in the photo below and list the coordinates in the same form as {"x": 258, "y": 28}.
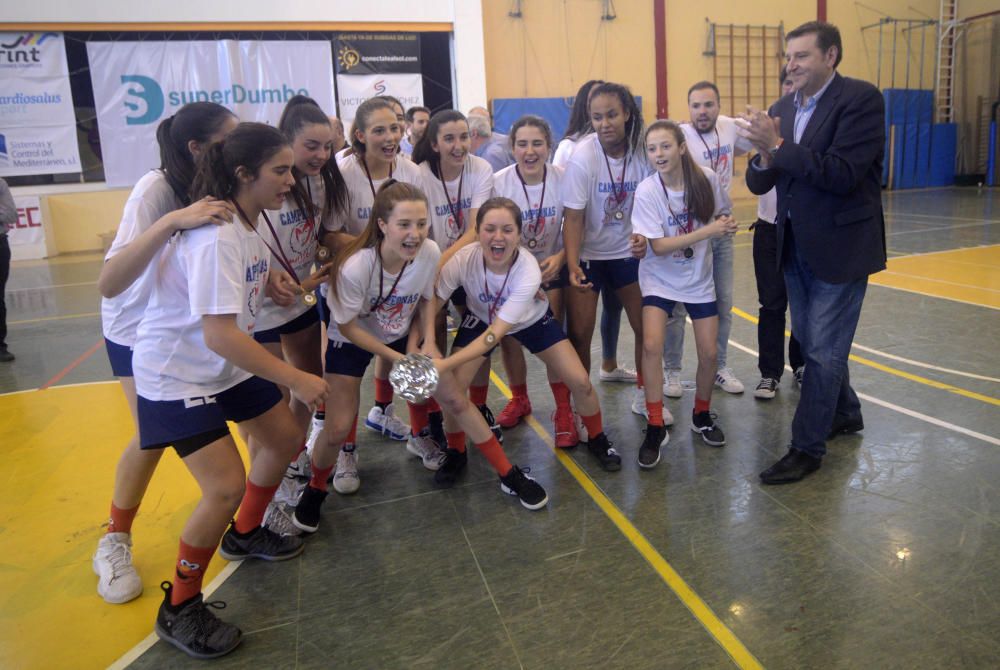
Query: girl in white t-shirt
{"x": 502, "y": 281}
{"x": 197, "y": 367}
{"x": 536, "y": 188}
{"x": 375, "y": 136}
{"x": 456, "y": 184}
{"x": 579, "y": 124}
{"x": 379, "y": 284}
{"x": 678, "y": 210}
{"x": 603, "y": 173}
{"x": 158, "y": 206}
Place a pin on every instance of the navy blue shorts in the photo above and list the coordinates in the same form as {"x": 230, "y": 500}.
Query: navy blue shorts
{"x": 322, "y": 309}
{"x": 301, "y": 322}
{"x": 120, "y": 358}
{"x": 561, "y": 280}
{"x": 458, "y": 297}
{"x": 615, "y": 274}
{"x": 193, "y": 423}
{"x": 696, "y": 310}
{"x": 536, "y": 338}
{"x": 347, "y": 358}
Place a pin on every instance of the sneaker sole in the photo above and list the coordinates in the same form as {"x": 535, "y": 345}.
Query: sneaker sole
{"x": 433, "y": 466}
{"x": 375, "y": 428}
{"x": 264, "y": 557}
{"x": 303, "y": 527}
{"x": 764, "y": 395}
{"x": 166, "y": 637}
{"x": 538, "y": 505}
{"x": 720, "y": 386}
{"x": 508, "y": 425}
{"x": 649, "y": 466}
{"x": 706, "y": 440}
{"x": 348, "y": 491}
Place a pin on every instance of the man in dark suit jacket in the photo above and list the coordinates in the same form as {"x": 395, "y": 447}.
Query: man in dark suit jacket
{"x": 822, "y": 147}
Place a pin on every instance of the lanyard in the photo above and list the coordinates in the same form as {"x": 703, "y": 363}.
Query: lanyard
{"x": 278, "y": 253}
{"x": 718, "y": 150}
{"x": 684, "y": 229}
{"x": 381, "y": 286}
{"x": 492, "y": 307}
{"x": 456, "y": 216}
{"x": 539, "y": 219}
{"x": 619, "y": 196}
{"x": 371, "y": 184}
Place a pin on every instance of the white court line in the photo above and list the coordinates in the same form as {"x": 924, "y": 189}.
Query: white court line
{"x": 948, "y": 251}
{"x": 930, "y": 295}
{"x": 939, "y": 217}
{"x": 921, "y": 364}
{"x": 60, "y": 386}
{"x": 902, "y": 410}
{"x": 44, "y": 288}
{"x": 930, "y": 230}
{"x": 939, "y": 281}
{"x": 138, "y": 650}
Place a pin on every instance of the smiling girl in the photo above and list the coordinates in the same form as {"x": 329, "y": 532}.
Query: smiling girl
{"x": 677, "y": 211}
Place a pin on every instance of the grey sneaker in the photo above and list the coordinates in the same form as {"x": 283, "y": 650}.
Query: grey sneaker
{"x": 704, "y": 424}
{"x": 426, "y": 449}
{"x": 766, "y": 389}
{"x": 346, "y": 480}
{"x": 193, "y": 628}
{"x": 261, "y": 543}
{"x": 278, "y": 519}
{"x": 649, "y": 452}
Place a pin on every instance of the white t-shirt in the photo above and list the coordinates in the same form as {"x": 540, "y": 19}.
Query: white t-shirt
{"x": 513, "y": 297}
{"x": 564, "y": 151}
{"x": 477, "y": 186}
{"x": 589, "y": 186}
{"x": 673, "y": 276}
{"x": 298, "y": 236}
{"x": 150, "y": 200}
{"x": 767, "y": 206}
{"x": 541, "y": 239}
{"x": 359, "y": 190}
{"x": 717, "y": 148}
{"x": 358, "y": 292}
{"x": 207, "y": 270}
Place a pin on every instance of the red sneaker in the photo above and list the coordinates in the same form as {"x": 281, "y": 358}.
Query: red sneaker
{"x": 515, "y": 410}
{"x": 566, "y": 435}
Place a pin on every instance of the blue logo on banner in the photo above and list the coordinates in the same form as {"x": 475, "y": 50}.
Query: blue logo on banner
{"x": 149, "y": 105}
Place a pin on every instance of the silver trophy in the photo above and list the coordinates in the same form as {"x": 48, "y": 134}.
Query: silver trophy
{"x": 414, "y": 377}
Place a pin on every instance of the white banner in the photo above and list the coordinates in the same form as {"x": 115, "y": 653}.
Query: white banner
{"x": 27, "y": 236}
{"x": 37, "y": 122}
{"x": 353, "y": 89}
{"x": 137, "y": 84}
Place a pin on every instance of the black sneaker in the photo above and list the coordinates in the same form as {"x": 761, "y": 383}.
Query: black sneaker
{"x": 435, "y": 424}
{"x": 306, "y": 515}
{"x": 491, "y": 422}
{"x": 454, "y": 463}
{"x": 193, "y": 628}
{"x": 261, "y": 543}
{"x": 766, "y": 389}
{"x": 605, "y": 452}
{"x": 5, "y": 356}
{"x": 649, "y": 451}
{"x": 704, "y": 423}
{"x": 518, "y": 483}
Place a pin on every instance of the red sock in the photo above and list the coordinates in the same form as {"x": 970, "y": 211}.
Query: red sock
{"x": 638, "y": 378}
{"x": 655, "y": 410}
{"x": 561, "y": 393}
{"x": 418, "y": 417}
{"x": 432, "y": 406}
{"x": 456, "y": 441}
{"x": 593, "y": 424}
{"x": 383, "y": 391}
{"x": 701, "y": 405}
{"x": 319, "y": 476}
{"x": 493, "y": 452}
{"x": 254, "y": 505}
{"x": 519, "y": 390}
{"x": 352, "y": 437}
{"x": 192, "y": 563}
{"x": 477, "y": 394}
{"x": 121, "y": 519}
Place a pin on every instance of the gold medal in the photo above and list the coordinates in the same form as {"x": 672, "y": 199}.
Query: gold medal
{"x": 322, "y": 254}
{"x": 619, "y": 215}
{"x": 309, "y": 298}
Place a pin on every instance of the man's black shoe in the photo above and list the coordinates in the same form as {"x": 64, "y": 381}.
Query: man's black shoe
{"x": 845, "y": 425}
{"x": 792, "y": 467}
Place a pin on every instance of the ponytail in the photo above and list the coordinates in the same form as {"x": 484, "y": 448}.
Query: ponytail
{"x": 198, "y": 122}
{"x": 698, "y": 196}
{"x": 249, "y": 146}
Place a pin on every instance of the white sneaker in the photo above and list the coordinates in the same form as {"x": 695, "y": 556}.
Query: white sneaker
{"x": 672, "y": 387}
{"x": 118, "y": 582}
{"x": 766, "y": 389}
{"x": 639, "y": 407}
{"x": 315, "y": 431}
{"x": 279, "y": 521}
{"x": 296, "y": 477}
{"x": 581, "y": 429}
{"x": 345, "y": 479}
{"x": 387, "y": 423}
{"x": 799, "y": 374}
{"x": 622, "y": 373}
{"x": 426, "y": 449}
{"x": 726, "y": 380}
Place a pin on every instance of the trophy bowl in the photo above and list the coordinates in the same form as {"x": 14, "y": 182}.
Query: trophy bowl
{"x": 414, "y": 377}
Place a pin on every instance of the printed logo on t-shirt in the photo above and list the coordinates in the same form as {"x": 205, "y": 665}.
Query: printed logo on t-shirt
{"x": 617, "y": 205}
{"x": 535, "y": 222}
{"x": 454, "y": 230}
{"x": 392, "y": 315}
{"x": 720, "y": 159}
{"x": 679, "y": 226}
{"x": 256, "y": 272}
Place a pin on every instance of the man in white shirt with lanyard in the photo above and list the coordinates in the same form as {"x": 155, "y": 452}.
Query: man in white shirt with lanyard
{"x": 713, "y": 142}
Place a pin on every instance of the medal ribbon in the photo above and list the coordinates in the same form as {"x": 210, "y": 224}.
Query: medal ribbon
{"x": 619, "y": 196}
{"x": 492, "y": 308}
{"x": 718, "y": 150}
{"x": 279, "y": 253}
{"x": 684, "y": 229}
{"x": 371, "y": 183}
{"x": 456, "y": 216}
{"x": 539, "y": 219}
{"x": 381, "y": 286}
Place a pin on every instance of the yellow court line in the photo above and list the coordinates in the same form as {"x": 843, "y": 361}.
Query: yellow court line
{"x": 718, "y": 630}
{"x": 54, "y": 318}
{"x": 900, "y": 373}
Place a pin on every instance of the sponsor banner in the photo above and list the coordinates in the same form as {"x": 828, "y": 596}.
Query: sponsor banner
{"x": 378, "y": 53}
{"x": 138, "y": 84}
{"x": 27, "y": 236}
{"x": 352, "y": 90}
{"x": 37, "y": 121}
